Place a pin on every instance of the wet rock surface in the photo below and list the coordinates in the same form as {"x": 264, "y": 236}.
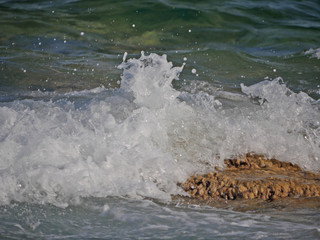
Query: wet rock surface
{"x": 253, "y": 177}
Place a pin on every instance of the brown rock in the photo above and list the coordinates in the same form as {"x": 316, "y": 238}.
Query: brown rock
{"x": 242, "y": 188}
{"x": 254, "y": 177}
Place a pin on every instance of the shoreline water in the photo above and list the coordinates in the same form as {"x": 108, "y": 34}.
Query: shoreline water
{"x": 88, "y": 150}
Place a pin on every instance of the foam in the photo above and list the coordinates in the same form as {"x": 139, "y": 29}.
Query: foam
{"x": 141, "y": 139}
{"x": 315, "y": 53}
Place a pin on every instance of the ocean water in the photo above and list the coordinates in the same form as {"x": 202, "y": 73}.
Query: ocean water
{"x": 106, "y": 105}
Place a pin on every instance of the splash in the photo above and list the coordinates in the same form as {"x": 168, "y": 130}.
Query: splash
{"x": 93, "y": 143}
{"x": 141, "y": 139}
{"x": 315, "y": 53}
{"x": 149, "y": 79}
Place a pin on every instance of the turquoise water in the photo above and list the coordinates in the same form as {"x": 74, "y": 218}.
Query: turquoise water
{"x": 135, "y": 219}
{"x": 228, "y": 42}
{"x": 106, "y": 105}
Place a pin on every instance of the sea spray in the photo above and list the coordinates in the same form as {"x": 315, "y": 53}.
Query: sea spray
{"x": 143, "y": 138}
{"x": 112, "y": 144}
{"x": 149, "y": 79}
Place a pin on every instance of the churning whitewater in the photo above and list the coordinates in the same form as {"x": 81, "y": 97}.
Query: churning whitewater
{"x": 141, "y": 139}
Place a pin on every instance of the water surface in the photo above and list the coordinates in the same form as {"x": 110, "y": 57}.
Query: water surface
{"x": 91, "y": 128}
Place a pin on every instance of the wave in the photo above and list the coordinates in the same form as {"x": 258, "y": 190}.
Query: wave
{"x": 141, "y": 139}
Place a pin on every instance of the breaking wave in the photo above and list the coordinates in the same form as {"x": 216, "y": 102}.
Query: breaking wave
{"x": 141, "y": 139}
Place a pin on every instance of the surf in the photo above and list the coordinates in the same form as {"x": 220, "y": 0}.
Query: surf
{"x": 142, "y": 138}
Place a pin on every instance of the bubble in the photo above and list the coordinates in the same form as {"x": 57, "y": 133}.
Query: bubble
{"x": 105, "y": 208}
{"x": 82, "y": 33}
{"x": 133, "y": 25}
{"x": 185, "y": 59}
{"x": 189, "y": 30}
{"x": 193, "y": 70}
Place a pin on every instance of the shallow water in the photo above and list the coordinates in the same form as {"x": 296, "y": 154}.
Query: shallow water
{"x": 90, "y": 125}
{"x": 144, "y": 219}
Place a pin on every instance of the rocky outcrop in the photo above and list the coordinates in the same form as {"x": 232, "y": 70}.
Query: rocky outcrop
{"x": 254, "y": 177}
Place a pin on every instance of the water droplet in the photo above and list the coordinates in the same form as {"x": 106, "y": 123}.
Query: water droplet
{"x": 133, "y": 25}
{"x": 193, "y": 70}
{"x": 124, "y": 56}
{"x": 82, "y": 33}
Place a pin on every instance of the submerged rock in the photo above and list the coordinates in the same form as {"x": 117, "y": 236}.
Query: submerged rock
{"x": 254, "y": 177}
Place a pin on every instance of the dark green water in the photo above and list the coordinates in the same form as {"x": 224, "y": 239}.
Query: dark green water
{"x": 230, "y": 41}
{"x": 83, "y": 143}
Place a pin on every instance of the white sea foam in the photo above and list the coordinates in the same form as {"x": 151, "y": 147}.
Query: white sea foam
{"x": 313, "y": 52}
{"x": 141, "y": 139}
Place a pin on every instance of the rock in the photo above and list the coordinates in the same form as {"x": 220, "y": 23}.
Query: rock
{"x": 254, "y": 177}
